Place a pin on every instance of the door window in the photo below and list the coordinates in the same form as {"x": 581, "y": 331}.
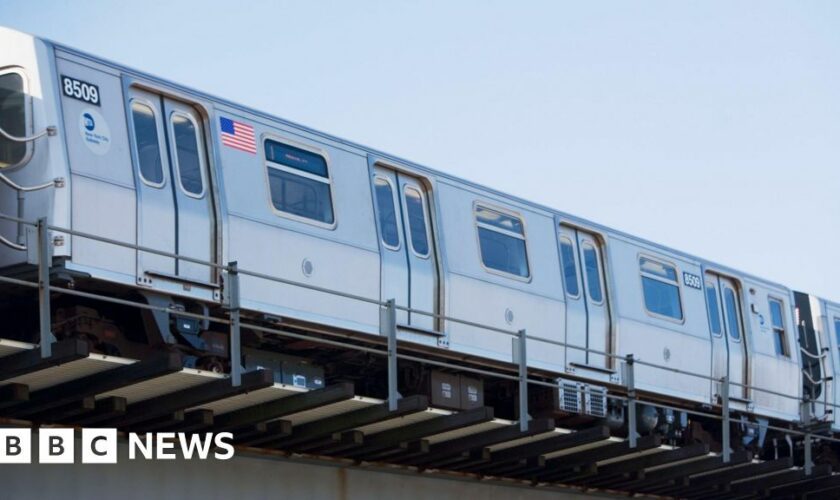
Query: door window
{"x": 388, "y": 228}
{"x": 417, "y": 221}
{"x": 147, "y": 143}
{"x": 777, "y": 320}
{"x": 733, "y": 320}
{"x": 593, "y": 273}
{"x": 187, "y": 154}
{"x": 567, "y": 258}
{"x": 714, "y": 308}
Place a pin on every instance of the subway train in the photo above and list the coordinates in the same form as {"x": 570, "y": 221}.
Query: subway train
{"x": 136, "y": 159}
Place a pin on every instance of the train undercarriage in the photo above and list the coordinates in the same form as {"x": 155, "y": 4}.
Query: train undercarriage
{"x": 307, "y": 356}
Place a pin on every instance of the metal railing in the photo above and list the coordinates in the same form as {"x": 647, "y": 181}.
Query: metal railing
{"x": 388, "y": 329}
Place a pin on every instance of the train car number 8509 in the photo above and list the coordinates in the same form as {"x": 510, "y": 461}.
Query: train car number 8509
{"x": 80, "y": 90}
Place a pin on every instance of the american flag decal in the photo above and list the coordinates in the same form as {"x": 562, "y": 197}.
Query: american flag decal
{"x": 238, "y": 135}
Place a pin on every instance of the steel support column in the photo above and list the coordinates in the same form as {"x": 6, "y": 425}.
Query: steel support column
{"x": 235, "y": 330}
{"x": 44, "y": 264}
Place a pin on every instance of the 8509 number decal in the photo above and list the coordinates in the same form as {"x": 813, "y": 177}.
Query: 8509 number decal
{"x": 77, "y": 89}
{"x": 692, "y": 281}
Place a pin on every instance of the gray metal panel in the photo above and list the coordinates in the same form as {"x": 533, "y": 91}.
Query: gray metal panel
{"x": 111, "y": 161}
{"x": 507, "y": 302}
{"x": 394, "y": 272}
{"x": 683, "y": 344}
{"x": 309, "y": 251}
{"x": 196, "y": 223}
{"x": 423, "y": 281}
{"x": 576, "y": 322}
{"x": 155, "y": 203}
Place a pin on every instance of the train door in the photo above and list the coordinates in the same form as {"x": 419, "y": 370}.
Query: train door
{"x": 409, "y": 267}
{"x": 832, "y": 318}
{"x": 729, "y": 351}
{"x": 175, "y": 210}
{"x": 587, "y": 311}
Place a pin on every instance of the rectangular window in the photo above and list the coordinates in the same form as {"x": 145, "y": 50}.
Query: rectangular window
{"x": 299, "y": 182}
{"x": 777, "y": 320}
{"x": 661, "y": 289}
{"x": 501, "y": 239}
{"x": 12, "y": 119}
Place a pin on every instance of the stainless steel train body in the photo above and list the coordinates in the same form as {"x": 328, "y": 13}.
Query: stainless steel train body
{"x": 146, "y": 163}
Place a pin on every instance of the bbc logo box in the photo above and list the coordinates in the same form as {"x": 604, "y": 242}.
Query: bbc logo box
{"x": 58, "y": 446}
{"x": 99, "y": 446}
{"x": 15, "y": 446}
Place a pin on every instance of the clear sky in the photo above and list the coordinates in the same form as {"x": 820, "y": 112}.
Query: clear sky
{"x": 712, "y": 127}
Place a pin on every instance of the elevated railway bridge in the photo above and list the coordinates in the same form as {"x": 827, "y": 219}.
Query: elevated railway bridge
{"x": 366, "y": 441}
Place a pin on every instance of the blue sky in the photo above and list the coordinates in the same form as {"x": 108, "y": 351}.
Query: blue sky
{"x": 712, "y": 127}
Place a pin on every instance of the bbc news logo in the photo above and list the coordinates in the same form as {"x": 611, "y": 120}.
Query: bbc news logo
{"x": 99, "y": 446}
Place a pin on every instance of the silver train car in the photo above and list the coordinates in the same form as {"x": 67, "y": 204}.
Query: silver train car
{"x": 137, "y": 159}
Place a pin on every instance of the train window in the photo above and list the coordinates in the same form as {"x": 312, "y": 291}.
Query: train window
{"x": 388, "y": 229}
{"x": 714, "y": 308}
{"x": 732, "y": 316}
{"x": 567, "y": 258}
{"x": 501, "y": 240}
{"x": 593, "y": 273}
{"x": 417, "y": 221}
{"x": 837, "y": 331}
{"x": 187, "y": 154}
{"x": 12, "y": 119}
{"x": 147, "y": 143}
{"x": 299, "y": 182}
{"x": 661, "y": 289}
{"x": 777, "y": 320}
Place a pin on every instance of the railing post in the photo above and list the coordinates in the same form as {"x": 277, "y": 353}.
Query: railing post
{"x": 21, "y": 228}
{"x": 523, "y": 380}
{"x": 630, "y": 382}
{"x": 388, "y": 328}
{"x": 235, "y": 329}
{"x": 44, "y": 264}
{"x": 724, "y": 404}
{"x": 805, "y": 417}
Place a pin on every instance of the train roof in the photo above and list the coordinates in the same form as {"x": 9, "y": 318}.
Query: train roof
{"x": 402, "y": 161}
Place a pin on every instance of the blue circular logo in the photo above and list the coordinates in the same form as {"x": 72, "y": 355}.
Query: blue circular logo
{"x": 89, "y": 123}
